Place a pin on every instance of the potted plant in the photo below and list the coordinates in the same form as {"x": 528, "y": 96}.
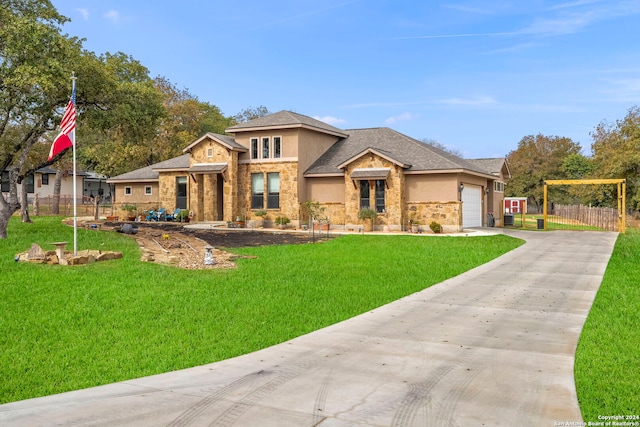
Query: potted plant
{"x": 240, "y": 222}
{"x": 415, "y": 226}
{"x": 183, "y": 215}
{"x": 369, "y": 216}
{"x": 316, "y": 215}
{"x": 131, "y": 211}
{"x": 435, "y": 227}
{"x": 262, "y": 215}
{"x": 282, "y": 221}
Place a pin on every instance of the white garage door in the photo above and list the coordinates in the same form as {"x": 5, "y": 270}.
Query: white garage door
{"x": 471, "y": 206}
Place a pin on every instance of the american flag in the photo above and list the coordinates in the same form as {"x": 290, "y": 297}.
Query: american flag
{"x": 67, "y": 127}
{"x": 68, "y": 122}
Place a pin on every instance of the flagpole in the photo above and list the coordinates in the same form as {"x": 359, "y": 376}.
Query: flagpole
{"x": 75, "y": 184}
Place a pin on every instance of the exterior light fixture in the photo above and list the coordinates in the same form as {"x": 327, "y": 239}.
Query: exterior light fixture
{"x": 208, "y": 256}
{"x": 461, "y": 187}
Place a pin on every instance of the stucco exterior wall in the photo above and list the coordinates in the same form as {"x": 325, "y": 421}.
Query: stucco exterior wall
{"x": 137, "y": 197}
{"x": 431, "y": 187}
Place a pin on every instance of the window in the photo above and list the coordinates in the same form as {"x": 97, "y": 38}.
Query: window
{"x": 498, "y": 186}
{"x": 147, "y": 190}
{"x": 273, "y": 198}
{"x": 277, "y": 147}
{"x": 45, "y": 179}
{"x": 257, "y": 191}
{"x": 380, "y": 186}
{"x": 127, "y": 191}
{"x": 364, "y": 195}
{"x": 265, "y": 147}
{"x": 181, "y": 192}
{"x": 209, "y": 152}
{"x": 254, "y": 148}
{"x": 4, "y": 182}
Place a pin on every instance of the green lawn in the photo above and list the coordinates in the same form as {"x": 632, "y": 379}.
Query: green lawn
{"x": 65, "y": 328}
{"x": 608, "y": 356}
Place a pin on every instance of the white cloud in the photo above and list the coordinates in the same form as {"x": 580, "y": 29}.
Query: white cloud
{"x": 473, "y": 102}
{"x": 84, "y": 12}
{"x": 576, "y": 3}
{"x": 563, "y": 25}
{"x": 113, "y": 16}
{"x": 333, "y": 121}
{"x": 404, "y": 117}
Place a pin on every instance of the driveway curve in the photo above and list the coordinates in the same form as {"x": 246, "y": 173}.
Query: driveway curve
{"x": 493, "y": 346}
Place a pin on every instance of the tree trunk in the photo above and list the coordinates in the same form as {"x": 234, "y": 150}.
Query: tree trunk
{"x": 10, "y": 204}
{"x": 57, "y": 185}
{"x": 96, "y": 208}
{"x": 24, "y": 203}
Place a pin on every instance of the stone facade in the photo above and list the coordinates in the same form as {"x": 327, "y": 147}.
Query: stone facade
{"x": 289, "y": 202}
{"x": 447, "y": 214}
{"x": 394, "y": 196}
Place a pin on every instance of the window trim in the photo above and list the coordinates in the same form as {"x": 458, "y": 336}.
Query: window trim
{"x": 383, "y": 185}
{"x": 257, "y": 198}
{"x": 253, "y": 146}
{"x": 128, "y": 191}
{"x": 277, "y": 153}
{"x": 148, "y": 190}
{"x": 45, "y": 179}
{"x": 273, "y": 198}
{"x": 498, "y": 186}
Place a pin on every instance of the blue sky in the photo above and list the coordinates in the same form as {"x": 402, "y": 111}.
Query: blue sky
{"x": 475, "y": 75}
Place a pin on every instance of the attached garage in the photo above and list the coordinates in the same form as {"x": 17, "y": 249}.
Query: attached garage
{"x": 471, "y": 206}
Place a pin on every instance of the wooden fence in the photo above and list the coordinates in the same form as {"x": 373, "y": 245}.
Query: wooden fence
{"x": 85, "y": 205}
{"x": 580, "y": 215}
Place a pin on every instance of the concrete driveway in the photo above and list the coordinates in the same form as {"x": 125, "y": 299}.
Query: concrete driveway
{"x": 494, "y": 346}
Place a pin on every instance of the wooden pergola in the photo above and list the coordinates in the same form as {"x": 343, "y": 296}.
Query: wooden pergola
{"x": 622, "y": 194}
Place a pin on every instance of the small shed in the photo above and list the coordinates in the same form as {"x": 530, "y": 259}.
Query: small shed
{"x": 515, "y": 205}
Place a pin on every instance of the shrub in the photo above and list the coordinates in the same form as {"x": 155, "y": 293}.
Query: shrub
{"x": 282, "y": 220}
{"x": 368, "y": 213}
{"x": 435, "y": 227}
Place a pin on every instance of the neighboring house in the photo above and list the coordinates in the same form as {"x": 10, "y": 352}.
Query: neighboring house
{"x": 278, "y": 162}
{"x": 96, "y": 185}
{"x": 42, "y": 183}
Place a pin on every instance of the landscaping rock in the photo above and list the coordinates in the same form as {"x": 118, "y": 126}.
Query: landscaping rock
{"x": 36, "y": 254}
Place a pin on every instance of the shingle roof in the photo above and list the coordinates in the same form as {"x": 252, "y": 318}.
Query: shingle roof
{"x": 150, "y": 173}
{"x": 227, "y": 140}
{"x": 403, "y": 149}
{"x": 493, "y": 166}
{"x": 285, "y": 119}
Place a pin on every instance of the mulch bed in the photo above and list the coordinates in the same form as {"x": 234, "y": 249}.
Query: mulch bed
{"x": 236, "y": 238}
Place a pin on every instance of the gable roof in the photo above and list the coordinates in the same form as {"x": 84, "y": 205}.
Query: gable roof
{"x": 151, "y": 173}
{"x": 401, "y": 149}
{"x": 286, "y": 120}
{"x": 493, "y": 165}
{"x": 226, "y": 140}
